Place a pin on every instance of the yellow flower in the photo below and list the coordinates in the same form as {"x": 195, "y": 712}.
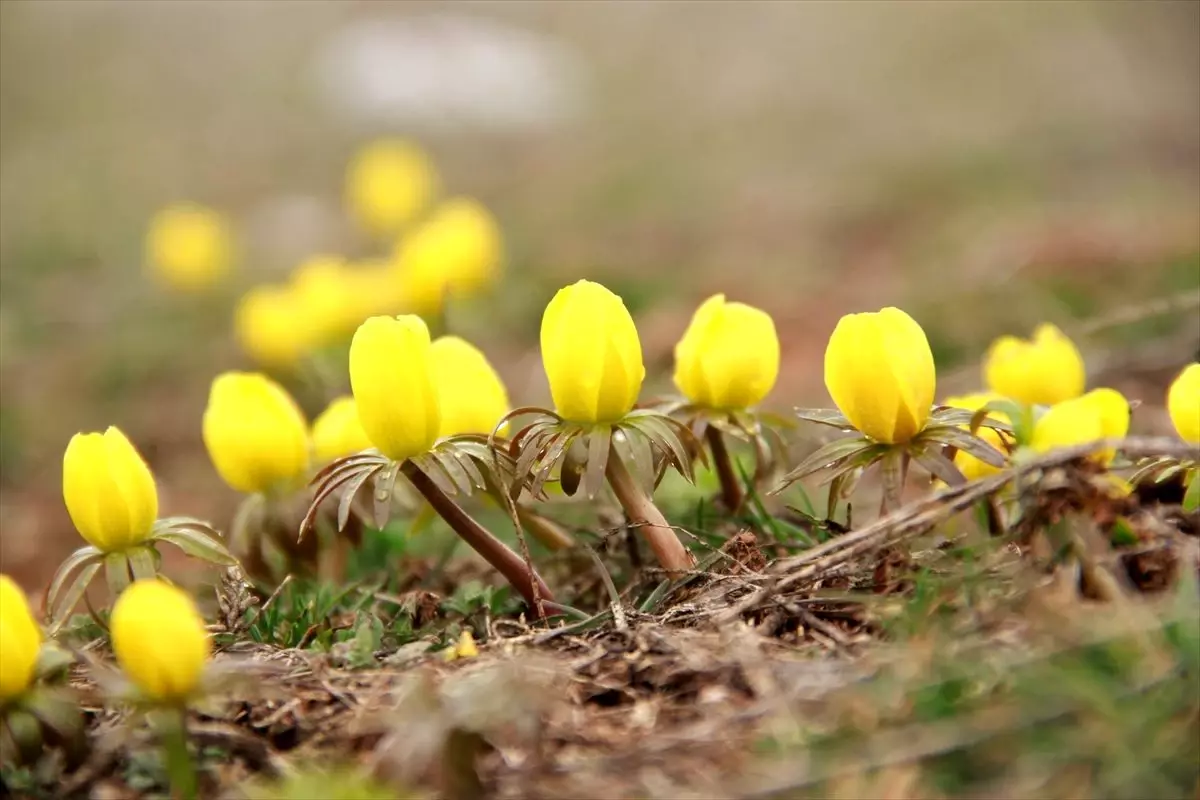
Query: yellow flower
{"x": 970, "y": 466}
{"x": 1183, "y": 404}
{"x": 465, "y": 647}
{"x": 728, "y": 357}
{"x": 457, "y": 251}
{"x": 1099, "y": 414}
{"x": 188, "y": 246}
{"x": 337, "y": 431}
{"x": 20, "y": 640}
{"x": 591, "y": 354}
{"x": 388, "y": 183}
{"x": 391, "y": 374}
{"x": 1044, "y": 371}
{"x": 972, "y": 401}
{"x": 324, "y": 294}
{"x": 471, "y": 395}
{"x": 160, "y": 640}
{"x": 269, "y": 327}
{"x": 879, "y": 371}
{"x": 255, "y": 433}
{"x": 109, "y": 491}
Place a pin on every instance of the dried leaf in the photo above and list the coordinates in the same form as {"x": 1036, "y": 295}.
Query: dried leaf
{"x": 967, "y": 442}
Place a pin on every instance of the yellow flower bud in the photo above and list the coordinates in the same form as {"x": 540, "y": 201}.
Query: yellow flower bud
{"x": 1099, "y": 414}
{"x": 591, "y": 354}
{"x": 160, "y": 640}
{"x": 970, "y": 466}
{"x": 728, "y": 357}
{"x": 188, "y": 247}
{"x": 20, "y": 640}
{"x": 1183, "y": 404}
{"x": 269, "y": 327}
{"x": 391, "y": 374}
{"x": 879, "y": 371}
{"x": 255, "y": 433}
{"x": 471, "y": 395}
{"x": 109, "y": 491}
{"x": 1044, "y": 371}
{"x": 323, "y": 291}
{"x": 388, "y": 183}
{"x": 337, "y": 431}
{"x": 465, "y": 647}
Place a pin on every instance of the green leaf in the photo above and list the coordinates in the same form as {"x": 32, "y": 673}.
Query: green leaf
{"x": 967, "y": 442}
{"x": 81, "y": 558}
{"x": 142, "y": 563}
{"x": 348, "y": 494}
{"x": 825, "y": 416}
{"x": 827, "y": 457}
{"x": 599, "y": 442}
{"x": 385, "y": 489}
{"x": 116, "y": 573}
{"x": 1191, "y": 497}
{"x": 198, "y": 545}
{"x": 938, "y": 465}
{"x": 72, "y": 595}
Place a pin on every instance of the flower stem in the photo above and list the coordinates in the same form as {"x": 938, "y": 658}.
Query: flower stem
{"x": 671, "y": 553}
{"x": 514, "y": 569}
{"x": 180, "y": 769}
{"x": 545, "y": 530}
{"x": 731, "y": 490}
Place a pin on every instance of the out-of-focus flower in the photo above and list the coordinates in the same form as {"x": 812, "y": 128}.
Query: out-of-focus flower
{"x": 255, "y": 433}
{"x": 456, "y": 252}
{"x": 728, "y": 357}
{"x": 1183, "y": 404}
{"x": 970, "y": 466}
{"x": 20, "y": 640}
{"x": 108, "y": 490}
{"x": 388, "y": 183}
{"x": 391, "y": 374}
{"x": 879, "y": 371}
{"x": 270, "y": 329}
{"x": 465, "y": 647}
{"x": 160, "y": 640}
{"x": 189, "y": 247}
{"x": 337, "y": 431}
{"x": 325, "y": 298}
{"x": 471, "y": 396}
{"x": 1045, "y": 370}
{"x": 591, "y": 354}
{"x": 1099, "y": 414}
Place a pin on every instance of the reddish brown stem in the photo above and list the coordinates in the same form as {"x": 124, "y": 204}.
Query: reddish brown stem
{"x": 731, "y": 489}
{"x": 526, "y": 581}
{"x": 672, "y": 555}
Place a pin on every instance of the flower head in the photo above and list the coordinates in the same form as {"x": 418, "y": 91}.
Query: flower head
{"x": 388, "y": 183}
{"x": 255, "y": 433}
{"x": 108, "y": 490}
{"x": 270, "y": 328}
{"x": 160, "y": 640}
{"x": 391, "y": 374}
{"x": 471, "y": 395}
{"x": 20, "y": 640}
{"x": 728, "y": 357}
{"x": 1043, "y": 371}
{"x": 591, "y": 354}
{"x": 1183, "y": 404}
{"x": 1099, "y": 414}
{"x": 457, "y": 251}
{"x": 971, "y": 467}
{"x": 325, "y": 298}
{"x": 337, "y": 432}
{"x": 188, "y": 246}
{"x": 879, "y": 371}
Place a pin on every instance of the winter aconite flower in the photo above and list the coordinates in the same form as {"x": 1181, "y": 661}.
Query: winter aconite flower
{"x": 1099, "y": 414}
{"x": 255, "y": 433}
{"x": 879, "y": 371}
{"x": 108, "y": 490}
{"x": 20, "y": 640}
{"x": 391, "y": 374}
{"x": 188, "y": 246}
{"x": 337, "y": 432}
{"x": 326, "y": 298}
{"x": 269, "y": 328}
{"x": 1183, "y": 404}
{"x": 591, "y": 353}
{"x": 1043, "y": 371}
{"x": 160, "y": 641}
{"x": 456, "y": 252}
{"x": 388, "y": 184}
{"x": 729, "y": 356}
{"x": 471, "y": 395}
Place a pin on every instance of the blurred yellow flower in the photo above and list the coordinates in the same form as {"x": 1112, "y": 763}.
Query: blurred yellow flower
{"x": 189, "y": 247}
{"x": 457, "y": 251}
{"x": 337, "y": 431}
{"x": 325, "y": 299}
{"x": 20, "y": 640}
{"x": 269, "y": 327}
{"x": 1099, "y": 414}
{"x": 591, "y": 354}
{"x": 465, "y": 647}
{"x": 255, "y": 433}
{"x": 160, "y": 640}
{"x": 388, "y": 183}
{"x": 1045, "y": 370}
{"x": 728, "y": 357}
{"x": 1183, "y": 404}
{"x": 970, "y": 466}
{"x": 108, "y": 490}
{"x": 391, "y": 374}
{"x": 471, "y": 395}
{"x": 879, "y": 371}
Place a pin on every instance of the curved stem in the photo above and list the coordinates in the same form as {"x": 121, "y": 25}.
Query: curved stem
{"x": 544, "y": 529}
{"x": 671, "y": 553}
{"x": 526, "y": 581}
{"x": 731, "y": 490}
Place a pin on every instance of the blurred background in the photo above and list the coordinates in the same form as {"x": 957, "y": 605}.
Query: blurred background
{"x": 984, "y": 165}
